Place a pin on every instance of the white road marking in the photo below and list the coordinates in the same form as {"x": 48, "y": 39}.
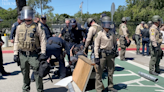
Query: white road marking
{"x": 141, "y": 66}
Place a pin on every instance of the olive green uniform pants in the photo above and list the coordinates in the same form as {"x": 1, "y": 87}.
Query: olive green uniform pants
{"x": 155, "y": 59}
{"x": 137, "y": 37}
{"x": 123, "y": 48}
{"x": 104, "y": 61}
{"x": 26, "y": 61}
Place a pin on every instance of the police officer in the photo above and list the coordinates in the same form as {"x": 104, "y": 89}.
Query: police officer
{"x": 55, "y": 46}
{"x": 44, "y": 26}
{"x": 13, "y": 29}
{"x": 155, "y": 46}
{"x": 105, "y": 42}
{"x": 77, "y": 33}
{"x": 66, "y": 32}
{"x": 138, "y": 35}
{"x": 28, "y": 39}
{"x": 123, "y": 33}
{"x": 2, "y": 71}
{"x": 145, "y": 39}
{"x": 149, "y": 24}
{"x": 94, "y": 28}
{"x": 36, "y": 20}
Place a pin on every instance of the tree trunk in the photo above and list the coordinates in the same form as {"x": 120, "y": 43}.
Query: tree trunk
{"x": 20, "y": 4}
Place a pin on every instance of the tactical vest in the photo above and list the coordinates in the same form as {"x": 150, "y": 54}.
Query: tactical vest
{"x": 120, "y": 30}
{"x": 67, "y": 34}
{"x": 98, "y": 28}
{"x": 28, "y": 38}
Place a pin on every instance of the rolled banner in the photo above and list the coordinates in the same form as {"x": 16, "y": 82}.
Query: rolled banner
{"x": 147, "y": 76}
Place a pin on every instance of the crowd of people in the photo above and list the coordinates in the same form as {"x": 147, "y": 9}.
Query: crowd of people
{"x": 34, "y": 42}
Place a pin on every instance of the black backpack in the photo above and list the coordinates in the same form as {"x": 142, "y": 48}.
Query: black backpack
{"x": 44, "y": 68}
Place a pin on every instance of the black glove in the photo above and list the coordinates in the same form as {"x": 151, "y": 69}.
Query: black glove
{"x": 16, "y": 59}
{"x": 97, "y": 61}
{"x": 42, "y": 57}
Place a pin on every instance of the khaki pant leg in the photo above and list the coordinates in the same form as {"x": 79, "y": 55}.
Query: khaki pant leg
{"x": 25, "y": 69}
{"x": 35, "y": 65}
{"x": 100, "y": 68}
{"x": 123, "y": 48}
{"x": 110, "y": 65}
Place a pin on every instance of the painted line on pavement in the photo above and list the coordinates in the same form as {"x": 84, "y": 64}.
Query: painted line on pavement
{"x": 141, "y": 66}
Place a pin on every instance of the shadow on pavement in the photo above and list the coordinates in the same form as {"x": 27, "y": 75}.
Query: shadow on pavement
{"x": 13, "y": 73}
{"x": 117, "y": 68}
{"x": 60, "y": 89}
{"x": 129, "y": 58}
{"x": 9, "y": 63}
{"x": 1, "y": 78}
{"x": 120, "y": 86}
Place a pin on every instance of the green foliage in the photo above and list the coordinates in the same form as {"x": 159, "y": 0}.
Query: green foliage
{"x": 8, "y": 20}
{"x": 37, "y": 4}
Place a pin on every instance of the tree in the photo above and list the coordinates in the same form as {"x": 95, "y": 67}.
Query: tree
{"x": 20, "y": 4}
{"x": 40, "y": 4}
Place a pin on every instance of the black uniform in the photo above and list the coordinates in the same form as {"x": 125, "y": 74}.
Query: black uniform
{"x": 54, "y": 47}
{"x": 46, "y": 29}
{"x": 145, "y": 40}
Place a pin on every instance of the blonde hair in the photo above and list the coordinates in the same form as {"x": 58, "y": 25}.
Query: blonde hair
{"x": 146, "y": 26}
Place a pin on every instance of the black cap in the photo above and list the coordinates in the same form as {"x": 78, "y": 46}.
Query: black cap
{"x": 43, "y": 17}
{"x": 73, "y": 22}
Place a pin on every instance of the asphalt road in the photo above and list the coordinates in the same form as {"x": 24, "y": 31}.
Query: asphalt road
{"x": 13, "y": 83}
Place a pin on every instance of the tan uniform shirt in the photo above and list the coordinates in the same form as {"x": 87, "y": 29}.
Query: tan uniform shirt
{"x": 103, "y": 42}
{"x": 155, "y": 35}
{"x": 91, "y": 32}
{"x": 138, "y": 29}
{"x": 124, "y": 29}
{"x": 41, "y": 35}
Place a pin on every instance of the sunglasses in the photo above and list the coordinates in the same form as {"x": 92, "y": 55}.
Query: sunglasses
{"x": 43, "y": 18}
{"x": 28, "y": 20}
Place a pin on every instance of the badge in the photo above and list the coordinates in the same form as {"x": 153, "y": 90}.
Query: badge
{"x": 152, "y": 33}
{"x": 76, "y": 28}
{"x": 33, "y": 26}
{"x": 66, "y": 29}
{"x": 61, "y": 28}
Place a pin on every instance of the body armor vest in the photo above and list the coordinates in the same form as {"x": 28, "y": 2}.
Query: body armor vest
{"x": 120, "y": 30}
{"x": 28, "y": 38}
{"x": 98, "y": 28}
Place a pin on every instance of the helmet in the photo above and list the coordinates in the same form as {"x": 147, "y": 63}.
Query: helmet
{"x": 106, "y": 22}
{"x": 43, "y": 17}
{"x": 142, "y": 22}
{"x": 150, "y": 22}
{"x": 73, "y": 22}
{"x": 27, "y": 13}
{"x": 1, "y": 19}
{"x": 156, "y": 18}
{"x": 89, "y": 20}
{"x": 124, "y": 19}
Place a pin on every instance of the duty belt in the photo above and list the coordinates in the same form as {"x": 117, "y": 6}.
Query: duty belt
{"x": 28, "y": 52}
{"x": 108, "y": 52}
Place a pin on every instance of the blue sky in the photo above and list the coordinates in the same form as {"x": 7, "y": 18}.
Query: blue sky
{"x": 72, "y": 6}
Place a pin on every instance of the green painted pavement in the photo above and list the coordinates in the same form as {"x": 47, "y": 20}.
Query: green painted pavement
{"x": 127, "y": 74}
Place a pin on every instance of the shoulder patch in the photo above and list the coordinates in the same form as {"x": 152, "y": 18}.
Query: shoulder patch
{"x": 152, "y": 30}
{"x": 42, "y": 27}
{"x": 61, "y": 28}
{"x": 33, "y": 26}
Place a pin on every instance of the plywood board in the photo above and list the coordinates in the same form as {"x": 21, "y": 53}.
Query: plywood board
{"x": 82, "y": 72}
